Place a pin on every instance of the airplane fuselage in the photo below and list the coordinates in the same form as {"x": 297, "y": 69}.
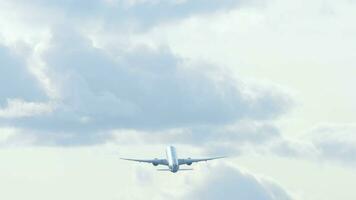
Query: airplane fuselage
{"x": 172, "y": 159}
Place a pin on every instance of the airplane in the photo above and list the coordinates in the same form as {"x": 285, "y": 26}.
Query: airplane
{"x": 172, "y": 160}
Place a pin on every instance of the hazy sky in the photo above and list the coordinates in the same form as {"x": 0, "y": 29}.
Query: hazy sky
{"x": 268, "y": 83}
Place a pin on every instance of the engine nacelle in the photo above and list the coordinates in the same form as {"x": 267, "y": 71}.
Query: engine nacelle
{"x": 155, "y": 162}
{"x": 188, "y": 161}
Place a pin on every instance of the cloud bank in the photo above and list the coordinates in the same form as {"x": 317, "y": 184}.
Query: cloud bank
{"x": 335, "y": 142}
{"x": 135, "y": 87}
{"x": 229, "y": 183}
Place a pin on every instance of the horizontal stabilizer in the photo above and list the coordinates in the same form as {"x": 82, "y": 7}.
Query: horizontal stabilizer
{"x": 170, "y": 170}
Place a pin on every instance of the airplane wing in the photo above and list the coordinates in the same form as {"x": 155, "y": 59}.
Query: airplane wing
{"x": 189, "y": 161}
{"x": 154, "y": 162}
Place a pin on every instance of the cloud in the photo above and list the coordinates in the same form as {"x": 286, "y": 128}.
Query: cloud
{"x": 6, "y": 133}
{"x": 214, "y": 140}
{"x": 127, "y": 90}
{"x": 335, "y": 142}
{"x": 323, "y": 143}
{"x": 116, "y": 14}
{"x": 18, "y": 108}
{"x": 14, "y": 137}
{"x": 137, "y": 87}
{"x": 16, "y": 79}
{"x": 21, "y": 94}
{"x": 130, "y": 87}
{"x": 230, "y": 183}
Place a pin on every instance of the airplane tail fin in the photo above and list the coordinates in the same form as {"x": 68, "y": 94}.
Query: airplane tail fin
{"x": 163, "y": 170}
{"x": 170, "y": 170}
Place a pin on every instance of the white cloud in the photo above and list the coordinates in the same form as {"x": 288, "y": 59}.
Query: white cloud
{"x": 17, "y": 108}
{"x": 232, "y": 140}
{"x": 229, "y": 183}
{"x": 96, "y": 172}
{"x": 15, "y": 137}
{"x": 111, "y": 178}
{"x": 303, "y": 45}
{"x": 6, "y": 133}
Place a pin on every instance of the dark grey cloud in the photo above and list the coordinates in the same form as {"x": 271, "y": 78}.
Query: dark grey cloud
{"x": 223, "y": 182}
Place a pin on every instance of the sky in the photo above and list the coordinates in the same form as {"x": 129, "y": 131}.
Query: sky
{"x": 270, "y": 84}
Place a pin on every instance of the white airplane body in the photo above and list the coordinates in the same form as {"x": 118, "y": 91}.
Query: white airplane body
{"x": 172, "y": 160}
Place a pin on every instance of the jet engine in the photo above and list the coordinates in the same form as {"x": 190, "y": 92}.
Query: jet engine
{"x": 155, "y": 162}
{"x": 188, "y": 161}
